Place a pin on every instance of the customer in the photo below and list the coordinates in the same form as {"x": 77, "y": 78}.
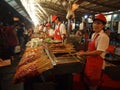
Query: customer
{"x": 3, "y": 44}
{"x": 60, "y": 29}
{"x": 30, "y": 33}
{"x": 20, "y": 35}
{"x": 96, "y": 51}
{"x": 12, "y": 39}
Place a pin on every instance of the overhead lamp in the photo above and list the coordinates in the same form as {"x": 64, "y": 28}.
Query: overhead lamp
{"x": 86, "y": 16}
{"x": 64, "y": 3}
{"x": 115, "y": 15}
{"x": 15, "y": 18}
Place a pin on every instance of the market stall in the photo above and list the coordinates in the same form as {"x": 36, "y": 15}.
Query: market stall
{"x": 44, "y": 59}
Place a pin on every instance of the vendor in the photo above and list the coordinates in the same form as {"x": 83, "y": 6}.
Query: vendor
{"x": 63, "y": 81}
{"x": 96, "y": 51}
{"x": 60, "y": 29}
{"x": 49, "y": 30}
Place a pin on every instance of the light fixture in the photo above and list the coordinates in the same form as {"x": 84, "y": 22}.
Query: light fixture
{"x": 64, "y": 3}
{"x": 85, "y": 16}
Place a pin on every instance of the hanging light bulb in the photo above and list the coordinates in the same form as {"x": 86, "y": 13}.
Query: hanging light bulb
{"x": 64, "y": 3}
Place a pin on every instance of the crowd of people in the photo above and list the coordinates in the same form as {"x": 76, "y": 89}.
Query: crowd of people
{"x": 18, "y": 34}
{"x": 55, "y": 30}
{"x": 10, "y": 37}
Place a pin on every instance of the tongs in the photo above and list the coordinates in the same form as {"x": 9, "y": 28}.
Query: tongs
{"x": 63, "y": 41}
{"x": 75, "y": 55}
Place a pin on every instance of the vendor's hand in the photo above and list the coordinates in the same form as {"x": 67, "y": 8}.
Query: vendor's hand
{"x": 80, "y": 53}
{"x": 63, "y": 36}
{"x": 1, "y": 60}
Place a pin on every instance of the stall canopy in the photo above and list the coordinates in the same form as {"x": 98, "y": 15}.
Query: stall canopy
{"x": 43, "y": 9}
{"x": 11, "y": 11}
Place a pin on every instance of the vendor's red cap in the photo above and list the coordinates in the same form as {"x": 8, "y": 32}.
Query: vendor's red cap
{"x": 54, "y": 17}
{"x": 48, "y": 25}
{"x": 100, "y": 17}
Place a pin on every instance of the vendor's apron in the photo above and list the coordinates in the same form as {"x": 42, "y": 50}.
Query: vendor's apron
{"x": 93, "y": 67}
{"x": 57, "y": 35}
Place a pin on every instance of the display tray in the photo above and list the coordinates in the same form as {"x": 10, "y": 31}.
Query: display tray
{"x": 66, "y": 60}
{"x": 61, "y": 58}
{"x": 62, "y": 54}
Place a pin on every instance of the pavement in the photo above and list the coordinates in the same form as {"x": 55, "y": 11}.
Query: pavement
{"x": 7, "y": 74}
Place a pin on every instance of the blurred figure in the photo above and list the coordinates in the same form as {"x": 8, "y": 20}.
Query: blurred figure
{"x": 49, "y": 30}
{"x": 12, "y": 39}
{"x": 3, "y": 44}
{"x": 26, "y": 35}
{"x": 41, "y": 27}
{"x": 78, "y": 33}
{"x": 20, "y": 34}
{"x": 30, "y": 32}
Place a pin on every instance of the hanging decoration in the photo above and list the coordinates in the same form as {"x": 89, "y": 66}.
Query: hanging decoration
{"x": 71, "y": 6}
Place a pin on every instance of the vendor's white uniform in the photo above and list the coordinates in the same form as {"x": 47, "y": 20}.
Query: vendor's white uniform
{"x": 102, "y": 42}
{"x": 60, "y": 30}
{"x": 50, "y": 32}
{"x": 95, "y": 64}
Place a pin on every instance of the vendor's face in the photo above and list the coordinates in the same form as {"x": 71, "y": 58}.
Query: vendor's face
{"x": 56, "y": 21}
{"x": 48, "y": 27}
{"x": 97, "y": 26}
